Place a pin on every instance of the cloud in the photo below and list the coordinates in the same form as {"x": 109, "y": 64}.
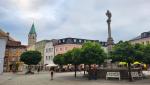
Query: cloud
{"x": 75, "y": 18}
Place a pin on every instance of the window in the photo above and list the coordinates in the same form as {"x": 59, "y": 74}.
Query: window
{"x": 59, "y": 41}
{"x": 46, "y": 57}
{"x": 13, "y": 52}
{"x": 80, "y": 41}
{"x": 56, "y": 50}
{"x": 13, "y": 58}
{"x": 63, "y": 40}
{"x": 75, "y": 40}
{"x": 66, "y": 48}
{"x": 33, "y": 37}
{"x": 103, "y": 44}
{"x": 18, "y": 58}
{"x": 46, "y": 50}
{"x": 49, "y": 57}
{"x": 52, "y": 57}
{"x": 60, "y": 49}
{"x": 49, "y": 49}
{"x": 147, "y": 42}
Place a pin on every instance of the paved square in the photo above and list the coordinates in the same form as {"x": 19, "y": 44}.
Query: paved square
{"x": 61, "y": 79}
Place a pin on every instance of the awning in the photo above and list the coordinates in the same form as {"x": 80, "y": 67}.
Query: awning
{"x": 50, "y": 65}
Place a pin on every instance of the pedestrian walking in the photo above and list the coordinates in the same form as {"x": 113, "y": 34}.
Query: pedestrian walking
{"x": 38, "y": 70}
{"x": 52, "y": 73}
{"x": 80, "y": 69}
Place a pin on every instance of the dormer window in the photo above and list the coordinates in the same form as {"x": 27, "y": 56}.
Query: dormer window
{"x": 75, "y": 40}
{"x": 103, "y": 44}
{"x": 59, "y": 41}
{"x": 80, "y": 41}
{"x": 145, "y": 34}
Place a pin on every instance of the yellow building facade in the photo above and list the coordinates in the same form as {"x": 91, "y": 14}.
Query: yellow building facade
{"x": 143, "y": 38}
{"x": 13, "y": 51}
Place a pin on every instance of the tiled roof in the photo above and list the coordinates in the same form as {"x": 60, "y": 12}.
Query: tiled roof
{"x": 77, "y": 41}
{"x": 136, "y": 38}
{"x": 11, "y": 42}
{"x": 141, "y": 36}
{"x": 4, "y": 34}
{"x": 42, "y": 41}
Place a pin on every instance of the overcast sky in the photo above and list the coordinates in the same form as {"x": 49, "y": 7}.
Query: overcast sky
{"x": 74, "y": 18}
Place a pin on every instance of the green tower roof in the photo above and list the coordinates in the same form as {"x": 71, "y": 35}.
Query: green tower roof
{"x": 32, "y": 31}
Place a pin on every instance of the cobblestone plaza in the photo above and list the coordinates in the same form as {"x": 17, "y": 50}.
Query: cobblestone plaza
{"x": 61, "y": 79}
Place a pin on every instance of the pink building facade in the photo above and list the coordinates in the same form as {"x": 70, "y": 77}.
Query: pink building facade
{"x": 66, "y": 44}
{"x": 63, "y": 48}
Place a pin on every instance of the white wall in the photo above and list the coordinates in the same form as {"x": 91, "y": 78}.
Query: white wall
{"x": 105, "y": 49}
{"x": 2, "y": 53}
{"x": 49, "y": 53}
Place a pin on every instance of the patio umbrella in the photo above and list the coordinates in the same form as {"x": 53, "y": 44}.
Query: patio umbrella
{"x": 122, "y": 63}
{"x": 136, "y": 63}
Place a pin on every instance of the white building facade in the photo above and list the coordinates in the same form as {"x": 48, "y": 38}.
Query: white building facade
{"x": 49, "y": 53}
{"x": 2, "y": 52}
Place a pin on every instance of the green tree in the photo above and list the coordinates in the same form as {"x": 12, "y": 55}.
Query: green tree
{"x": 68, "y": 57}
{"x": 76, "y": 56}
{"x": 139, "y": 52}
{"x": 73, "y": 57}
{"x": 92, "y": 53}
{"x": 59, "y": 59}
{"x": 31, "y": 58}
{"x": 146, "y": 58}
{"x": 124, "y": 51}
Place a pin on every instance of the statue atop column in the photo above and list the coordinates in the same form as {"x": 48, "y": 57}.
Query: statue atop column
{"x": 110, "y": 39}
{"x": 108, "y": 14}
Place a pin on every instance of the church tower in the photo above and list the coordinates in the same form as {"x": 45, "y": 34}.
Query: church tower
{"x": 32, "y": 36}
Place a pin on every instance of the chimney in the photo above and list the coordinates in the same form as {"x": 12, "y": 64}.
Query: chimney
{"x": 7, "y": 33}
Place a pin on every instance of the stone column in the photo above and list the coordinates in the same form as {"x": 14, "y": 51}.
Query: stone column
{"x": 110, "y": 39}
